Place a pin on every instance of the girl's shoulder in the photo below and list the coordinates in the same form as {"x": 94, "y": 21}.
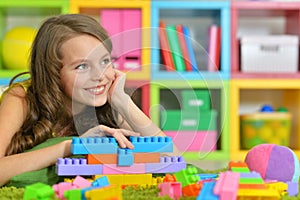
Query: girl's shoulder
{"x": 18, "y": 86}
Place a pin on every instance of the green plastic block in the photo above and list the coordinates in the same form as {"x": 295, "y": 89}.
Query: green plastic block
{"x": 73, "y": 194}
{"x": 38, "y": 191}
{"x": 188, "y": 120}
{"x": 240, "y": 169}
{"x": 196, "y": 99}
{"x": 251, "y": 181}
{"x": 187, "y": 176}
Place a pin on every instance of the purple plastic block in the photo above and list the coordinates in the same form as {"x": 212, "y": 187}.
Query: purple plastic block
{"x": 76, "y": 166}
{"x": 167, "y": 164}
{"x": 94, "y": 145}
{"x": 252, "y": 174}
{"x": 293, "y": 188}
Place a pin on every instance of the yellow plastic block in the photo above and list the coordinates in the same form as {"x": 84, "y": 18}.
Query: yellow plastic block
{"x": 257, "y": 194}
{"x": 109, "y": 192}
{"x": 280, "y": 187}
{"x": 128, "y": 179}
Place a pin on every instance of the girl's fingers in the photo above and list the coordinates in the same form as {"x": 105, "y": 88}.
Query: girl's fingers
{"x": 129, "y": 133}
{"x": 122, "y": 140}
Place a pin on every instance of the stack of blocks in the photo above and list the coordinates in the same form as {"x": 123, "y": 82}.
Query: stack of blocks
{"x": 103, "y": 156}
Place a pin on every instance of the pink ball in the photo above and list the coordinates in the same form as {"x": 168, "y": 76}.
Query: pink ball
{"x": 273, "y": 162}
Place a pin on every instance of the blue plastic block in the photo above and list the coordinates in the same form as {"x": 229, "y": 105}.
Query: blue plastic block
{"x": 94, "y": 145}
{"x": 153, "y": 144}
{"x": 101, "y": 182}
{"x": 76, "y": 166}
{"x": 207, "y": 192}
{"x": 125, "y": 157}
{"x": 207, "y": 176}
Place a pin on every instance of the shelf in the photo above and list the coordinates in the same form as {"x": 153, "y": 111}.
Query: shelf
{"x": 261, "y": 18}
{"x": 197, "y": 16}
{"x": 165, "y": 95}
{"x": 26, "y": 13}
{"x": 94, "y": 7}
{"x": 248, "y": 95}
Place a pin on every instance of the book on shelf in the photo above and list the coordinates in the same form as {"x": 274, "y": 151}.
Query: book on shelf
{"x": 175, "y": 48}
{"x": 214, "y": 48}
{"x": 183, "y": 46}
{"x": 165, "y": 48}
{"x": 189, "y": 45}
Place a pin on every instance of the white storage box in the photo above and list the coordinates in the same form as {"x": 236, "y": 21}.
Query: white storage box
{"x": 269, "y": 53}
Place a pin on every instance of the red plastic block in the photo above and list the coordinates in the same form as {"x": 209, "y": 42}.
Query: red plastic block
{"x": 192, "y": 190}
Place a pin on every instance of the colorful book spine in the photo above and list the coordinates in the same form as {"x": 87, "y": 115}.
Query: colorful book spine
{"x": 175, "y": 48}
{"x": 165, "y": 48}
{"x": 214, "y": 48}
{"x": 189, "y": 45}
{"x": 183, "y": 46}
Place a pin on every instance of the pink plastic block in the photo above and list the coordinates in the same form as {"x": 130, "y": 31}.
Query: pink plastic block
{"x": 171, "y": 189}
{"x": 80, "y": 182}
{"x": 138, "y": 168}
{"x": 60, "y": 188}
{"x": 132, "y": 39}
{"x": 227, "y": 185}
{"x": 167, "y": 164}
{"x": 111, "y": 20}
{"x": 194, "y": 140}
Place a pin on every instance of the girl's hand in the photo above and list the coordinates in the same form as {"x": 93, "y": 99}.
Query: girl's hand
{"x": 117, "y": 95}
{"x": 118, "y": 134}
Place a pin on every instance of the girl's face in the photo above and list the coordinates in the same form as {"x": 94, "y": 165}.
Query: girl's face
{"x": 87, "y": 72}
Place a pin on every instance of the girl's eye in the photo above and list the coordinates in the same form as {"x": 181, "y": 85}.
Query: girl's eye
{"x": 81, "y": 67}
{"x": 105, "y": 61}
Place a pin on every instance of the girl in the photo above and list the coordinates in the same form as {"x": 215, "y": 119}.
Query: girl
{"x": 73, "y": 89}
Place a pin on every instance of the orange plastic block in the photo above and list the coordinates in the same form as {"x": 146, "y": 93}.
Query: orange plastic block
{"x": 252, "y": 186}
{"x": 238, "y": 164}
{"x": 113, "y": 158}
{"x": 169, "y": 178}
{"x": 192, "y": 190}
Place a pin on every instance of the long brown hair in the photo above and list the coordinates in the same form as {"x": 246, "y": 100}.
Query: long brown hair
{"x": 45, "y": 95}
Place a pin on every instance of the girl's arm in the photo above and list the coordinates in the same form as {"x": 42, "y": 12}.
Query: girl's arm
{"x": 34, "y": 160}
{"x": 13, "y": 110}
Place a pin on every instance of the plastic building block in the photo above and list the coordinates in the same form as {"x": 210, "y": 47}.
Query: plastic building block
{"x": 258, "y": 194}
{"x": 207, "y": 176}
{"x": 239, "y": 164}
{"x": 252, "y": 174}
{"x": 115, "y": 169}
{"x": 108, "y": 192}
{"x": 101, "y": 182}
{"x": 240, "y": 169}
{"x": 293, "y": 188}
{"x": 187, "y": 176}
{"x": 60, "y": 188}
{"x": 169, "y": 178}
{"x": 167, "y": 164}
{"x": 80, "y": 182}
{"x": 73, "y": 194}
{"x": 171, "y": 189}
{"x": 94, "y": 145}
{"x": 38, "y": 191}
{"x": 251, "y": 181}
{"x": 113, "y": 158}
{"x": 125, "y": 157}
{"x": 76, "y": 166}
{"x": 207, "y": 193}
{"x": 252, "y": 186}
{"x": 192, "y": 190}
{"x": 157, "y": 180}
{"x": 152, "y": 144}
{"x": 227, "y": 185}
